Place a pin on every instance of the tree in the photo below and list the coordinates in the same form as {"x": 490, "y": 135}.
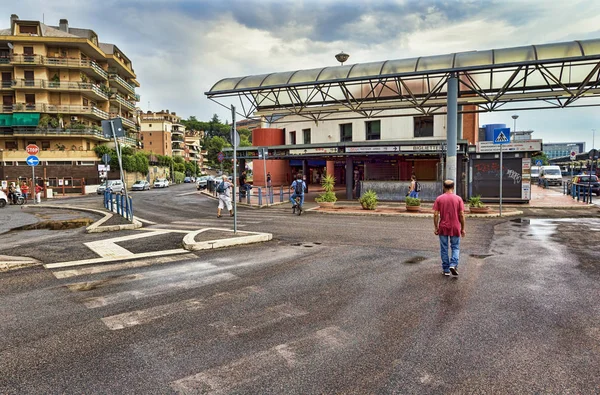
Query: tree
{"x": 543, "y": 157}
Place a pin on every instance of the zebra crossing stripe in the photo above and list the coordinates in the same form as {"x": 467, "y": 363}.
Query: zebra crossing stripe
{"x": 232, "y": 377}
{"x": 267, "y": 317}
{"x": 122, "y": 266}
{"x": 140, "y": 317}
{"x": 120, "y": 297}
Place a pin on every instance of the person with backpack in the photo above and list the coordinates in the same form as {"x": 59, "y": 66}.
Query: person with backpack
{"x": 223, "y": 191}
{"x": 298, "y": 188}
{"x": 415, "y": 187}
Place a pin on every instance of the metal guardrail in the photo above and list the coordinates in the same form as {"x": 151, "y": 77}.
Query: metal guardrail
{"x": 581, "y": 192}
{"x": 117, "y": 202}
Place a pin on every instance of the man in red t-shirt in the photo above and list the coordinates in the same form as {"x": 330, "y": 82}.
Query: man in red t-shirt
{"x": 449, "y": 223}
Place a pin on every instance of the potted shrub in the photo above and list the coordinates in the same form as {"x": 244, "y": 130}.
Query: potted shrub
{"x": 413, "y": 204}
{"x": 368, "y": 200}
{"x": 476, "y": 206}
{"x": 327, "y": 198}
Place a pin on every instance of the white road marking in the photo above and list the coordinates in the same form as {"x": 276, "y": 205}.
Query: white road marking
{"x": 95, "y": 302}
{"x": 269, "y": 316}
{"x": 106, "y": 260}
{"x": 139, "y": 317}
{"x": 231, "y": 377}
{"x": 145, "y": 221}
{"x": 122, "y": 266}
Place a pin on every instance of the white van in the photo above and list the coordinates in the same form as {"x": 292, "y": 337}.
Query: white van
{"x": 551, "y": 175}
{"x": 535, "y": 172}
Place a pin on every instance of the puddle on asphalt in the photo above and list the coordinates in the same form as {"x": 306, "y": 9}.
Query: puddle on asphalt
{"x": 543, "y": 229}
{"x": 415, "y": 259}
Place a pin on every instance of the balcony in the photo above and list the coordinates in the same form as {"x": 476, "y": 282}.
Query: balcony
{"x": 128, "y": 123}
{"x": 122, "y": 101}
{"x": 27, "y": 59}
{"x": 52, "y": 153}
{"x": 92, "y": 90}
{"x": 7, "y": 85}
{"x": 120, "y": 83}
{"x": 94, "y": 134}
{"x": 176, "y": 139}
{"x": 89, "y": 66}
{"x": 90, "y": 111}
{"x": 130, "y": 141}
{"x": 177, "y": 147}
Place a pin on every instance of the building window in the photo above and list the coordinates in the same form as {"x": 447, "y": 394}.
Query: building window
{"x": 373, "y": 129}
{"x": 31, "y": 143}
{"x": 306, "y": 135}
{"x": 85, "y": 102}
{"x": 423, "y": 126}
{"x": 293, "y": 138}
{"x": 45, "y": 145}
{"x": 30, "y": 98}
{"x": 151, "y": 143}
{"x": 11, "y": 145}
{"x": 28, "y": 30}
{"x": 346, "y": 132}
{"x": 150, "y": 127}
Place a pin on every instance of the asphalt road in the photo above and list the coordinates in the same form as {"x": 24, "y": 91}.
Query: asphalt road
{"x": 333, "y": 304}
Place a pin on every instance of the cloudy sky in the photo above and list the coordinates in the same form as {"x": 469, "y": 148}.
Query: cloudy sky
{"x": 180, "y": 48}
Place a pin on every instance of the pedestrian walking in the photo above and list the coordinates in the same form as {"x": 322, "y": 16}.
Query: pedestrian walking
{"x": 224, "y": 192}
{"x": 25, "y": 190}
{"x": 269, "y": 180}
{"x": 414, "y": 188}
{"x": 38, "y": 193}
{"x": 449, "y": 224}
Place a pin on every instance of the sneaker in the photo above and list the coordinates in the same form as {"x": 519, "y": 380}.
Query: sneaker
{"x": 454, "y": 270}
{"x": 446, "y": 274}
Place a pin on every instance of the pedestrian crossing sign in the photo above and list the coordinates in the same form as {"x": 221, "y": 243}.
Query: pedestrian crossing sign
{"x": 502, "y": 136}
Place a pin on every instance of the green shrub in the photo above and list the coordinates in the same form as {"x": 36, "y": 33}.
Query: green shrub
{"x": 369, "y": 200}
{"x": 179, "y": 176}
{"x": 475, "y": 201}
{"x": 328, "y": 183}
{"x": 411, "y": 201}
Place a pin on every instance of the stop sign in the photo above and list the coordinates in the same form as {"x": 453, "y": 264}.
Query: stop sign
{"x": 32, "y": 149}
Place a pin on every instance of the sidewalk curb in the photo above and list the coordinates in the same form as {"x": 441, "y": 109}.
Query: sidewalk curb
{"x": 190, "y": 244}
{"x": 366, "y": 213}
{"x": 96, "y": 227}
{"x": 254, "y": 207}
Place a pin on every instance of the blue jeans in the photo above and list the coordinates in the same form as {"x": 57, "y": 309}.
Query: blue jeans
{"x": 455, "y": 244}
{"x": 293, "y": 199}
{"x": 414, "y": 194}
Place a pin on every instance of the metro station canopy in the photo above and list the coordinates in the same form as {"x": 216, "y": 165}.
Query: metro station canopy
{"x": 550, "y": 75}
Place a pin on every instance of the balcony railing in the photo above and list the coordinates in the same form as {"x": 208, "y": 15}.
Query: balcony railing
{"x": 26, "y": 59}
{"x": 64, "y": 86}
{"x": 177, "y": 147}
{"x": 124, "y": 102}
{"x": 59, "y": 109}
{"x": 130, "y": 88}
{"x": 75, "y": 63}
{"x": 128, "y": 140}
{"x": 176, "y": 139}
{"x": 7, "y": 84}
{"x": 59, "y": 132}
{"x": 126, "y": 122}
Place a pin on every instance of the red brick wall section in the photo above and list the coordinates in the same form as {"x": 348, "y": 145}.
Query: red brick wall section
{"x": 470, "y": 125}
{"x": 266, "y": 137}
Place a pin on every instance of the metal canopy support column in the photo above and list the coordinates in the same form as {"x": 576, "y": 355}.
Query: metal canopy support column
{"x": 451, "y": 131}
{"x": 349, "y": 178}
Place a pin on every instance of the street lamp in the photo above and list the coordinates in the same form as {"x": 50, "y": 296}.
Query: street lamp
{"x": 342, "y": 57}
{"x": 514, "y": 117}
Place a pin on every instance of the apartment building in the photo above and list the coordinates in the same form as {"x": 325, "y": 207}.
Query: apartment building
{"x": 193, "y": 148}
{"x": 162, "y": 133}
{"x": 58, "y": 84}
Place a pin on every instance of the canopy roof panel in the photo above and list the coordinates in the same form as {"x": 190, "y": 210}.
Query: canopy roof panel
{"x": 557, "y": 74}
{"x": 531, "y": 54}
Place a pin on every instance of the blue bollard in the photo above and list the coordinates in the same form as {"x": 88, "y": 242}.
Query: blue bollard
{"x": 281, "y": 194}
{"x": 131, "y": 209}
{"x": 260, "y": 196}
{"x": 112, "y": 203}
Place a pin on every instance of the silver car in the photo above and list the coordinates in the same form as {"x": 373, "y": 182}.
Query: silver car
{"x": 202, "y": 182}
{"x": 141, "y": 185}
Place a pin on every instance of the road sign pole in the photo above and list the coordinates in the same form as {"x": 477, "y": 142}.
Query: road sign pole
{"x": 118, "y": 149}
{"x": 33, "y": 183}
{"x": 233, "y": 142}
{"x": 501, "y": 180}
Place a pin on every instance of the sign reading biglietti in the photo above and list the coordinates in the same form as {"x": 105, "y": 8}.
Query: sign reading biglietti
{"x": 436, "y": 147}
{"x": 305, "y": 151}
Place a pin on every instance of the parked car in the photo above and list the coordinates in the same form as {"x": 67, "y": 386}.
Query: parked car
{"x": 535, "y": 172}
{"x": 187, "y": 180}
{"x": 113, "y": 186}
{"x": 202, "y": 182}
{"x": 161, "y": 183}
{"x": 584, "y": 181}
{"x": 3, "y": 199}
{"x": 141, "y": 185}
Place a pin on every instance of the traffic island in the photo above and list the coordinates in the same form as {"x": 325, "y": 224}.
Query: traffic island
{"x": 211, "y": 238}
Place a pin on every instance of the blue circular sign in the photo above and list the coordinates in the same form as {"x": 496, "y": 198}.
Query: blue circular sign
{"x": 32, "y": 160}
{"x": 538, "y": 162}
{"x": 220, "y": 157}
